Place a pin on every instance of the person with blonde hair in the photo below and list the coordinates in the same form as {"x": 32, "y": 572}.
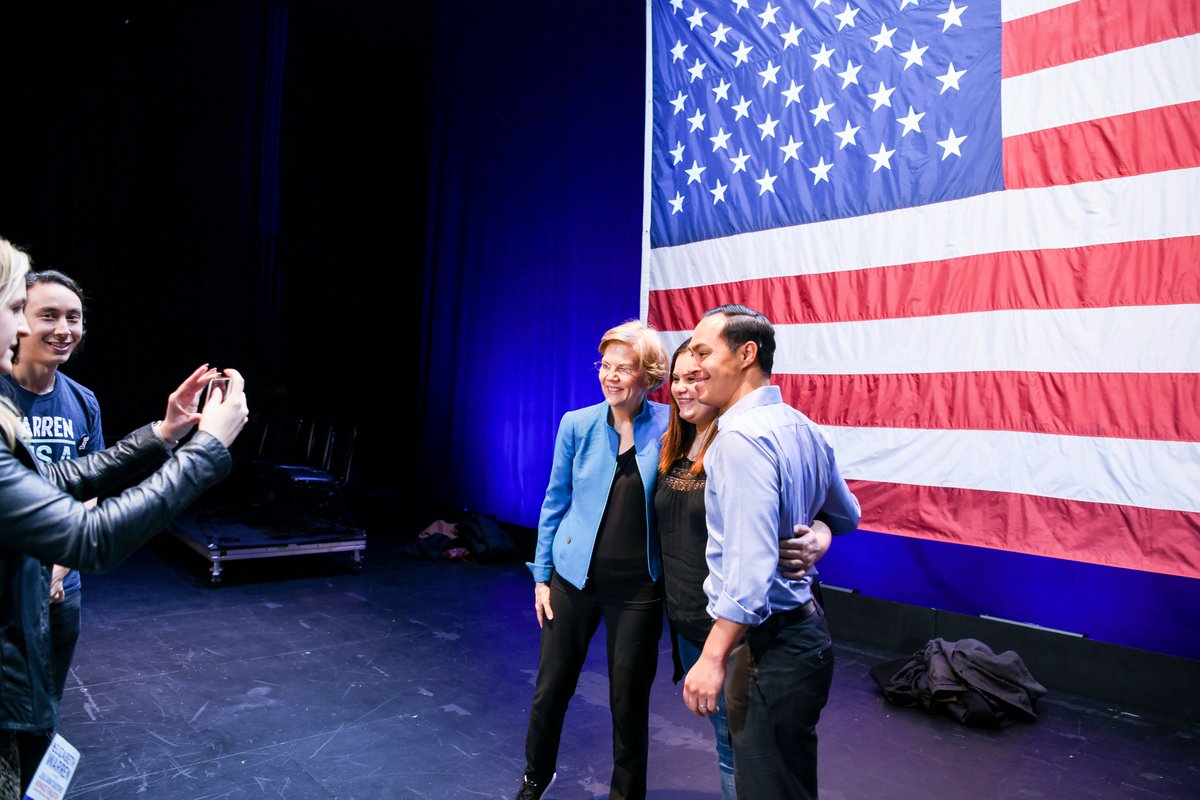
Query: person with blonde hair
{"x": 61, "y": 418}
{"x": 597, "y": 559}
{"x": 43, "y": 520}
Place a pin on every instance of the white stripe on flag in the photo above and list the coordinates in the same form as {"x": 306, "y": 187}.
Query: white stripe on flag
{"x": 1150, "y": 339}
{"x": 1123, "y": 339}
{"x": 1015, "y": 9}
{"x": 1155, "y": 206}
{"x": 1135, "y": 472}
{"x": 1152, "y": 76}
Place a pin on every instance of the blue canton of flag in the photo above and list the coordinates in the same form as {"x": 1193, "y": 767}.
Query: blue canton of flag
{"x": 775, "y": 114}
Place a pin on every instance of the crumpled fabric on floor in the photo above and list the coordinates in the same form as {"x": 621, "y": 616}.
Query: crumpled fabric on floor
{"x": 964, "y": 680}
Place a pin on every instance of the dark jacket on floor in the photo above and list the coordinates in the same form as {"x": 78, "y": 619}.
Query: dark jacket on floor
{"x": 964, "y": 680}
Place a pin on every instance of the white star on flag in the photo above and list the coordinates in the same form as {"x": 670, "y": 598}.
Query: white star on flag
{"x": 950, "y": 79}
{"x": 882, "y": 159}
{"x": 884, "y": 37}
{"x": 882, "y": 96}
{"x": 789, "y": 150}
{"x": 791, "y": 38}
{"x": 911, "y": 123}
{"x": 913, "y": 55}
{"x": 821, "y": 171}
{"x": 952, "y": 16}
{"x": 767, "y": 126}
{"x": 821, "y": 111}
{"x": 846, "y": 18}
{"x": 768, "y": 74}
{"x": 766, "y": 183}
{"x": 792, "y": 94}
{"x": 718, "y": 192}
{"x": 822, "y": 56}
{"x": 950, "y": 144}
{"x": 847, "y": 134}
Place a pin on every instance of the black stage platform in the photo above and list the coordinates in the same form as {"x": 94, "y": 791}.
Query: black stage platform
{"x": 300, "y": 679}
{"x": 222, "y": 534}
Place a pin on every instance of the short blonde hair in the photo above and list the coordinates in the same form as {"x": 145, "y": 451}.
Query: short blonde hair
{"x": 646, "y": 342}
{"x": 14, "y": 264}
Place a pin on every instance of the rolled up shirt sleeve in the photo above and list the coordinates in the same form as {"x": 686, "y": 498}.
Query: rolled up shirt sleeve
{"x": 743, "y": 518}
{"x": 769, "y": 468}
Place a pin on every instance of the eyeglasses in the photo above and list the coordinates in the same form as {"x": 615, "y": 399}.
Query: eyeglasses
{"x": 624, "y": 370}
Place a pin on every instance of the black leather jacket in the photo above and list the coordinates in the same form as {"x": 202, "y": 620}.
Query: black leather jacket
{"x": 44, "y": 522}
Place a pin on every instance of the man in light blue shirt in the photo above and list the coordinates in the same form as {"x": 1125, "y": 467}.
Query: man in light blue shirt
{"x": 769, "y": 468}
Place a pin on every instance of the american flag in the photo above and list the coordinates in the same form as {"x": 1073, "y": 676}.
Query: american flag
{"x": 976, "y": 226}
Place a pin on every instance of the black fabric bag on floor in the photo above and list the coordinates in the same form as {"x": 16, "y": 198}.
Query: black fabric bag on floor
{"x": 487, "y": 541}
{"x": 964, "y": 680}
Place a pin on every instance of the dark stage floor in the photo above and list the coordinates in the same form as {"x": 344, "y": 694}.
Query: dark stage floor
{"x": 299, "y": 679}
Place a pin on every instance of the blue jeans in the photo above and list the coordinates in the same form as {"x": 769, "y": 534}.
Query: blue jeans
{"x": 688, "y": 655}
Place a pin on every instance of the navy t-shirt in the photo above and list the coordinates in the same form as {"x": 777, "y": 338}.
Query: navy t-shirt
{"x": 64, "y": 423}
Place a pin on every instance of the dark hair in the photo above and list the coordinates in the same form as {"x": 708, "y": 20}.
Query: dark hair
{"x": 747, "y": 325}
{"x": 681, "y": 433}
{"x": 62, "y": 279}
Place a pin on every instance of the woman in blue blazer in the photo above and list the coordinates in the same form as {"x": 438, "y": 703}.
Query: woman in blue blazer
{"x": 597, "y": 558}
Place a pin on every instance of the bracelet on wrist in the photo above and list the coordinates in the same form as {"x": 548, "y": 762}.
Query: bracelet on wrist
{"x": 157, "y": 428}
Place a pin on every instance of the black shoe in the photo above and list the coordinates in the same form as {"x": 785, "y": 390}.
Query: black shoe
{"x": 532, "y": 790}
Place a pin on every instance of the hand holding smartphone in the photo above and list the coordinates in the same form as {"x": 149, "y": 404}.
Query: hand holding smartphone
{"x": 220, "y": 385}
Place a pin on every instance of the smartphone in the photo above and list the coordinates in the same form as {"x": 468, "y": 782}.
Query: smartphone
{"x": 222, "y": 385}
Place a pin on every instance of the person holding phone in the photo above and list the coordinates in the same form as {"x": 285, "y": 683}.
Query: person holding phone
{"x": 44, "y": 521}
{"x": 61, "y": 419}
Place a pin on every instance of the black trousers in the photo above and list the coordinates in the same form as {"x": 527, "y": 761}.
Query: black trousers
{"x": 776, "y": 685}
{"x": 632, "y": 629}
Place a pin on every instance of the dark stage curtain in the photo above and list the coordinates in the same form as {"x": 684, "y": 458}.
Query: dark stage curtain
{"x": 534, "y": 247}
{"x": 238, "y": 182}
{"x": 141, "y": 157}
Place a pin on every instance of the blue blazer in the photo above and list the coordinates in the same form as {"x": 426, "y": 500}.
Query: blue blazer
{"x": 585, "y": 461}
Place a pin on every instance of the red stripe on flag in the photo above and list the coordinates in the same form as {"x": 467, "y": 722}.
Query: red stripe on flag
{"x": 1144, "y": 539}
{"x": 1155, "y": 272}
{"x": 1155, "y": 140}
{"x": 1091, "y": 28}
{"x": 1118, "y": 405}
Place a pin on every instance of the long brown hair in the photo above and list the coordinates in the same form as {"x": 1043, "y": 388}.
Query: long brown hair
{"x": 680, "y": 433}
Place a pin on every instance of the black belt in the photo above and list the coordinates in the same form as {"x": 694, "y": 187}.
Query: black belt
{"x": 781, "y": 619}
{"x": 796, "y": 614}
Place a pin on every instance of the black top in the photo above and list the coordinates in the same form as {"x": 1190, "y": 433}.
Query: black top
{"x": 619, "y": 557}
{"x": 679, "y": 509}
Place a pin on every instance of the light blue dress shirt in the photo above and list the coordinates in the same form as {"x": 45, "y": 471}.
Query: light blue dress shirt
{"x": 769, "y": 468}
